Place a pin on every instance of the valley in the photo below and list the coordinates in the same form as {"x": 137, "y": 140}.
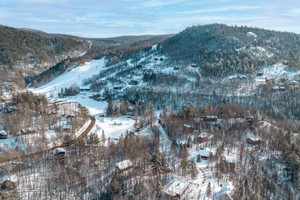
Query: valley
{"x": 219, "y": 120}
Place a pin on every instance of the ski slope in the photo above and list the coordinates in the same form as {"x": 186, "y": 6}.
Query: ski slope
{"x": 69, "y": 78}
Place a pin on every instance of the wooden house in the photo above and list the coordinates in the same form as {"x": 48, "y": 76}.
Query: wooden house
{"x": 284, "y": 62}
{"x": 210, "y": 118}
{"x": 133, "y": 82}
{"x": 3, "y": 134}
{"x": 59, "y": 153}
{"x": 204, "y": 137}
{"x": 259, "y": 73}
{"x": 124, "y": 165}
{"x": 26, "y": 131}
{"x": 176, "y": 190}
{"x": 205, "y": 153}
{"x": 254, "y": 141}
{"x": 188, "y": 128}
{"x": 84, "y": 89}
{"x": 250, "y": 119}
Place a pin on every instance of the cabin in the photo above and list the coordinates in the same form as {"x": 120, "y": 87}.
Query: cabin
{"x": 26, "y": 131}
{"x": 176, "y": 190}
{"x": 205, "y": 153}
{"x": 66, "y": 127}
{"x": 11, "y": 183}
{"x": 194, "y": 65}
{"x": 124, "y": 165}
{"x": 70, "y": 116}
{"x": 84, "y": 89}
{"x": 210, "y": 118}
{"x": 204, "y": 137}
{"x": 3, "y": 176}
{"x": 278, "y": 88}
{"x": 187, "y": 128}
{"x": 259, "y": 74}
{"x": 133, "y": 82}
{"x": 293, "y": 83}
{"x": 284, "y": 62}
{"x": 3, "y": 134}
{"x": 60, "y": 153}
{"x": 8, "y": 182}
{"x": 176, "y": 68}
{"x": 118, "y": 87}
{"x": 231, "y": 163}
{"x": 254, "y": 141}
{"x": 250, "y": 119}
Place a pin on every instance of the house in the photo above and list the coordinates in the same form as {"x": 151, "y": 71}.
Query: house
{"x": 84, "y": 89}
{"x": 203, "y": 137}
{"x": 293, "y": 83}
{"x": 124, "y": 165}
{"x": 250, "y": 119}
{"x": 3, "y": 134}
{"x": 187, "y": 128}
{"x": 8, "y": 182}
{"x": 66, "y": 127}
{"x": 59, "y": 153}
{"x": 3, "y": 176}
{"x": 205, "y": 153}
{"x": 133, "y": 82}
{"x": 259, "y": 73}
{"x": 176, "y": 190}
{"x": 176, "y": 68}
{"x": 118, "y": 87}
{"x": 194, "y": 65}
{"x": 210, "y": 118}
{"x": 278, "y": 88}
{"x": 284, "y": 62}
{"x": 254, "y": 141}
{"x": 26, "y": 131}
{"x": 11, "y": 183}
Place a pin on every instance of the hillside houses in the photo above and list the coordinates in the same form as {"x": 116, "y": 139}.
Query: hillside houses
{"x": 176, "y": 190}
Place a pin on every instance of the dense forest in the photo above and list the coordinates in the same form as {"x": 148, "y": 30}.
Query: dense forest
{"x": 221, "y": 50}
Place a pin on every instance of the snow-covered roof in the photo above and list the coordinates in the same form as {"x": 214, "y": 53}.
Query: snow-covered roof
{"x": 251, "y": 34}
{"x": 13, "y": 178}
{"x": 231, "y": 159}
{"x": 66, "y": 126}
{"x": 124, "y": 164}
{"x": 84, "y": 88}
{"x": 59, "y": 150}
{"x": 177, "y": 187}
{"x": 211, "y": 117}
{"x": 3, "y": 133}
{"x": 3, "y": 176}
{"x": 204, "y": 152}
{"x": 187, "y": 126}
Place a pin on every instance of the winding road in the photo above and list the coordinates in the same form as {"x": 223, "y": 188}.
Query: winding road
{"x": 82, "y": 135}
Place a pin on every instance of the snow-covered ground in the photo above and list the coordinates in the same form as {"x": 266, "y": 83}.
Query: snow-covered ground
{"x": 69, "y": 78}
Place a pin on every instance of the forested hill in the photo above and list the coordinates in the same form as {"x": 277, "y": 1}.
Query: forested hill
{"x": 220, "y": 50}
{"x": 38, "y": 56}
{"x": 35, "y": 49}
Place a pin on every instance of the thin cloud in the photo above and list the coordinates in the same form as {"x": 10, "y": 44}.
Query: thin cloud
{"x": 228, "y": 8}
{"x": 293, "y": 12}
{"x": 157, "y": 3}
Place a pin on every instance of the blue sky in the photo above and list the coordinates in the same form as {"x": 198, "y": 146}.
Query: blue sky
{"x": 100, "y": 18}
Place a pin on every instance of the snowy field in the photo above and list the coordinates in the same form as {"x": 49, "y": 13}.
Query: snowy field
{"x": 69, "y": 78}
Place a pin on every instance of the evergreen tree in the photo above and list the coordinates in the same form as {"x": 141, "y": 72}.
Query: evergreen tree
{"x": 110, "y": 109}
{"x": 208, "y": 190}
{"x": 158, "y": 162}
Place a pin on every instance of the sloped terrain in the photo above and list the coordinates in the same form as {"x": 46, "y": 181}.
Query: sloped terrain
{"x": 222, "y": 50}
